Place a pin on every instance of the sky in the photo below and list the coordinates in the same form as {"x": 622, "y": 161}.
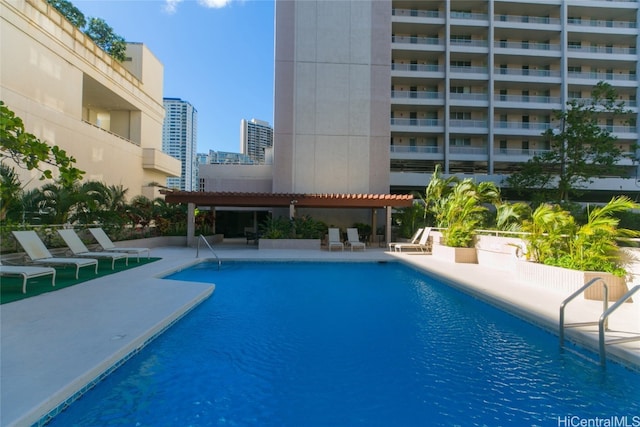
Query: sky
{"x": 217, "y": 55}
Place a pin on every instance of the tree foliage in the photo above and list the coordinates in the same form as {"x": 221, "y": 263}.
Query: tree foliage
{"x": 579, "y": 151}
{"x": 104, "y": 36}
{"x": 30, "y": 153}
{"x": 69, "y": 11}
{"x": 96, "y": 28}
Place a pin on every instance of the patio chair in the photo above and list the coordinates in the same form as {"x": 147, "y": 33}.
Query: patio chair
{"x": 79, "y": 249}
{"x": 105, "y": 242}
{"x": 27, "y": 272}
{"x": 353, "y": 240}
{"x": 414, "y": 239}
{"x": 423, "y": 244}
{"x": 39, "y": 254}
{"x": 334, "y": 239}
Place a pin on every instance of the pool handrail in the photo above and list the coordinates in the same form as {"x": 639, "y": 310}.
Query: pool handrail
{"x": 202, "y": 238}
{"x": 605, "y": 305}
{"x": 602, "y": 325}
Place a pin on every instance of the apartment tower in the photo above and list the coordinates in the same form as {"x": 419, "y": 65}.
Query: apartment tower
{"x": 469, "y": 85}
{"x": 179, "y": 140}
{"x": 255, "y": 137}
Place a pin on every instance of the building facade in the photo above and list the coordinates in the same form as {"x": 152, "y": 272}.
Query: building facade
{"x": 469, "y": 85}
{"x": 256, "y": 137}
{"x": 68, "y": 92}
{"x": 179, "y": 140}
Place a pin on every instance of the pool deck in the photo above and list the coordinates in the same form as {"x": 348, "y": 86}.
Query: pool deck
{"x": 54, "y": 344}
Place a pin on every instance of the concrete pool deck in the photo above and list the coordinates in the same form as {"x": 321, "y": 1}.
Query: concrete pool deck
{"x": 53, "y": 345}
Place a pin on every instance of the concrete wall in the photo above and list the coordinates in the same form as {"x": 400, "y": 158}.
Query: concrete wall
{"x": 331, "y": 131}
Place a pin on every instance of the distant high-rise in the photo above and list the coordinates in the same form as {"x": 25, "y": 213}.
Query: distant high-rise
{"x": 179, "y": 140}
{"x": 255, "y": 137}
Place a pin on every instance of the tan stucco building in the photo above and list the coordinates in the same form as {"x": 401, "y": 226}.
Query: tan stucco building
{"x": 70, "y": 93}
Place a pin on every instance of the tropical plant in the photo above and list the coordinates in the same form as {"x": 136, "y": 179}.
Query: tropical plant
{"x": 276, "y": 228}
{"x": 462, "y": 212}
{"x": 509, "y": 216}
{"x": 30, "y": 153}
{"x": 459, "y": 207}
{"x": 308, "y": 228}
{"x": 10, "y": 193}
{"x": 556, "y": 239}
{"x": 547, "y": 231}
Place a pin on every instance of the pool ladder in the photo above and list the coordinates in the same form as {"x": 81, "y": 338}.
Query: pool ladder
{"x": 201, "y": 238}
{"x": 602, "y": 322}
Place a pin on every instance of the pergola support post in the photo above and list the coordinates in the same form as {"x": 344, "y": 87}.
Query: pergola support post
{"x": 191, "y": 224}
{"x": 387, "y": 229}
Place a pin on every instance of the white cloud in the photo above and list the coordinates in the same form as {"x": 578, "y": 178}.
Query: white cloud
{"x": 214, "y": 4}
{"x": 170, "y": 6}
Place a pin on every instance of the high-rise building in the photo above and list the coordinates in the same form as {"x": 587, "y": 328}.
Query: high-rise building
{"x": 255, "y": 137}
{"x": 404, "y": 85}
{"x": 179, "y": 140}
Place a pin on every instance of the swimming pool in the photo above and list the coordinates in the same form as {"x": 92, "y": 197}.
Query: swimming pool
{"x": 341, "y": 344}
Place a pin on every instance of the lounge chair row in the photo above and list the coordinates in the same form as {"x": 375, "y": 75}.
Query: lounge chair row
{"x": 419, "y": 241}
{"x": 353, "y": 240}
{"x": 39, "y": 254}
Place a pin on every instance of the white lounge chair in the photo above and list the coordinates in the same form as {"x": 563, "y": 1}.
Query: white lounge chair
{"x": 105, "y": 242}
{"x": 414, "y": 239}
{"x": 39, "y": 254}
{"x": 423, "y": 244}
{"x": 334, "y": 239}
{"x": 79, "y": 249}
{"x": 27, "y": 272}
{"x": 353, "y": 240}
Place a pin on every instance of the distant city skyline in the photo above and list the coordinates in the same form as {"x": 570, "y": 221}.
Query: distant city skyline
{"x": 217, "y": 55}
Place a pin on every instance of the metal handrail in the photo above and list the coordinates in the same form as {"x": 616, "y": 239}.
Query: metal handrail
{"x": 202, "y": 238}
{"x": 605, "y": 305}
{"x": 602, "y": 324}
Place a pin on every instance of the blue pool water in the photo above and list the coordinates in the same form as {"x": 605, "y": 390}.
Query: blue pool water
{"x": 350, "y": 344}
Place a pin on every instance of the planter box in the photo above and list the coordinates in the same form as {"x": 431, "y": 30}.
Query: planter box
{"x": 498, "y": 252}
{"x": 289, "y": 244}
{"x": 569, "y": 281}
{"x": 461, "y": 255}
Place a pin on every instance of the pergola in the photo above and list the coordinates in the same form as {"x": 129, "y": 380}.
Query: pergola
{"x": 290, "y": 200}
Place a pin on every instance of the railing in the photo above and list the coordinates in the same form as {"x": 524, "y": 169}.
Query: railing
{"x": 429, "y": 68}
{"x": 527, "y": 45}
{"x": 527, "y": 19}
{"x": 603, "y": 76}
{"x": 605, "y": 305}
{"x": 603, "y": 49}
{"x": 433, "y": 41}
{"x": 601, "y": 23}
{"x": 602, "y": 325}
{"x": 416, "y": 94}
{"x": 526, "y": 72}
{"x": 201, "y": 238}
{"x": 528, "y": 99}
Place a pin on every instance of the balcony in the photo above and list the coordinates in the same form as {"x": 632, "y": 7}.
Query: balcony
{"x": 521, "y": 128}
{"x": 547, "y": 102}
{"x": 516, "y": 154}
{"x": 156, "y": 160}
{"x": 417, "y": 70}
{"x": 469, "y": 99}
{"x": 417, "y": 125}
{"x": 526, "y": 72}
{"x": 600, "y": 50}
{"x": 524, "y": 19}
{"x": 528, "y": 48}
{"x": 621, "y": 77}
{"x": 418, "y": 42}
{"x": 417, "y": 97}
{"x": 468, "y": 126}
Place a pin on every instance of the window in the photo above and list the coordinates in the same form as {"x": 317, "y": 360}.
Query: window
{"x": 460, "y": 63}
{"x": 460, "y": 142}
{"x": 461, "y": 38}
{"x": 460, "y": 115}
